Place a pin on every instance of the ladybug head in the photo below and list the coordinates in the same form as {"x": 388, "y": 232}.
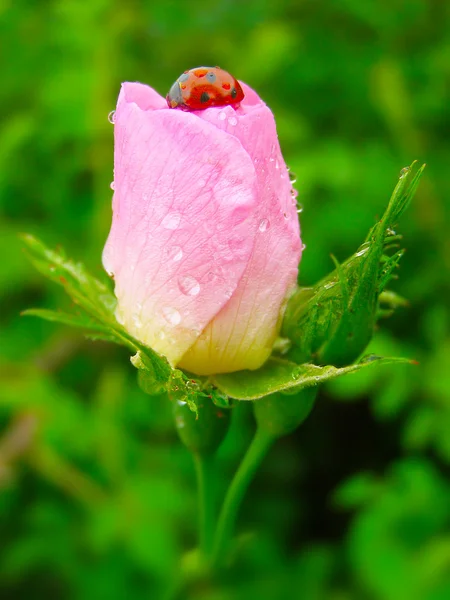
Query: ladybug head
{"x": 174, "y": 97}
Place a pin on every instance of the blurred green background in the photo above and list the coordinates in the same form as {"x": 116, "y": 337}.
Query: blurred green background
{"x": 97, "y": 497}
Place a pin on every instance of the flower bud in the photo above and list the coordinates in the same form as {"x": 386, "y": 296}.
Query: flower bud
{"x": 201, "y": 431}
{"x": 204, "y": 245}
{"x": 281, "y": 413}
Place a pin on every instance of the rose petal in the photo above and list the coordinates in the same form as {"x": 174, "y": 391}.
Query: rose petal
{"x": 242, "y": 335}
{"x": 184, "y": 221}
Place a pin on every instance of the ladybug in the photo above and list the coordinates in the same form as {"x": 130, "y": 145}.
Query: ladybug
{"x": 204, "y": 87}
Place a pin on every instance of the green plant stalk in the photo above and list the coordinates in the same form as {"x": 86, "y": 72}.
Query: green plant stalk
{"x": 204, "y": 463}
{"x": 255, "y": 454}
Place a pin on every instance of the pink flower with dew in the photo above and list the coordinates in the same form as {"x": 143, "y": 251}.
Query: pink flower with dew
{"x": 204, "y": 245}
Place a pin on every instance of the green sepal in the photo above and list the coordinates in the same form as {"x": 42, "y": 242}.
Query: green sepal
{"x": 279, "y": 375}
{"x": 332, "y": 322}
{"x": 281, "y": 413}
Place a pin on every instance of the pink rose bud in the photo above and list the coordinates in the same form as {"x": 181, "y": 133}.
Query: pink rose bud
{"x": 205, "y": 244}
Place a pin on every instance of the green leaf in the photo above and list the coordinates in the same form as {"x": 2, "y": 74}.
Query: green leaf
{"x": 93, "y": 295}
{"x": 81, "y": 321}
{"x": 278, "y": 375}
{"x": 333, "y": 322}
{"x": 96, "y": 313}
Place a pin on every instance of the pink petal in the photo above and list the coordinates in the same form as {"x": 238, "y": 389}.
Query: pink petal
{"x": 242, "y": 334}
{"x": 143, "y": 95}
{"x": 184, "y": 220}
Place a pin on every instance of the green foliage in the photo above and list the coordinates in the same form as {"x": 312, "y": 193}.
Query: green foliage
{"x": 97, "y": 496}
{"x": 334, "y": 321}
{"x": 97, "y": 304}
{"x": 278, "y": 375}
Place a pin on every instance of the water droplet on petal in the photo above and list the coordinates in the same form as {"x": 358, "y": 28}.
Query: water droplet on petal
{"x": 137, "y": 320}
{"x": 232, "y": 121}
{"x": 299, "y": 208}
{"x": 171, "y": 221}
{"x": 222, "y": 115}
{"x": 112, "y": 117}
{"x": 188, "y": 285}
{"x": 263, "y": 225}
{"x": 112, "y": 185}
{"x": 161, "y": 335}
{"x": 174, "y": 253}
{"x": 303, "y": 247}
{"x": 286, "y": 216}
{"x": 171, "y": 315}
{"x": 292, "y": 177}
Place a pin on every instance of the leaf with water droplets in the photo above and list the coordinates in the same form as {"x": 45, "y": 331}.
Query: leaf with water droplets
{"x": 334, "y": 321}
{"x": 278, "y": 375}
{"x": 96, "y": 307}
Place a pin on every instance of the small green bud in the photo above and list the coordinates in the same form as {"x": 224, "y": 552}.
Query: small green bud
{"x": 201, "y": 431}
{"x": 281, "y": 413}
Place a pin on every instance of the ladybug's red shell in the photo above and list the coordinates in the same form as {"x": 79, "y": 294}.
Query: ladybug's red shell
{"x": 204, "y": 87}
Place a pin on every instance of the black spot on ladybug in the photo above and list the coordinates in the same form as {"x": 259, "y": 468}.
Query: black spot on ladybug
{"x": 211, "y": 77}
{"x": 233, "y": 93}
{"x": 204, "y": 97}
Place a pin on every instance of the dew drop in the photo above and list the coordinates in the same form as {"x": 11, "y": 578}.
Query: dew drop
{"x": 174, "y": 253}
{"x": 112, "y": 117}
{"x": 303, "y": 247}
{"x": 292, "y": 177}
{"x": 161, "y": 335}
{"x": 286, "y": 216}
{"x": 362, "y": 251}
{"x": 171, "y": 315}
{"x": 232, "y": 121}
{"x": 299, "y": 208}
{"x": 222, "y": 115}
{"x": 263, "y": 225}
{"x": 404, "y": 172}
{"x": 171, "y": 221}
{"x": 112, "y": 185}
{"x": 328, "y": 286}
{"x": 188, "y": 285}
{"x": 137, "y": 320}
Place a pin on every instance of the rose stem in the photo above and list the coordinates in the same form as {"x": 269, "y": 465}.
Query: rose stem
{"x": 204, "y": 472}
{"x": 235, "y": 494}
